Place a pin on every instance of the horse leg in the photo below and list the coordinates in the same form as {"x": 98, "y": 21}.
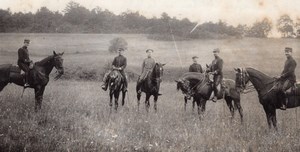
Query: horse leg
{"x": 230, "y": 106}
{"x": 39, "y": 92}
{"x": 138, "y": 95}
{"x": 268, "y": 114}
{"x": 110, "y": 98}
{"x": 147, "y": 103}
{"x": 123, "y": 97}
{"x": 201, "y": 108}
{"x": 273, "y": 118}
{"x": 155, "y": 102}
{"x": 185, "y": 102}
{"x": 237, "y": 103}
{"x": 193, "y": 103}
{"x": 116, "y": 95}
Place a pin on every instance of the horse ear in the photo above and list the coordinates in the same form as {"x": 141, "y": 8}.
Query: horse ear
{"x": 62, "y": 53}
{"x": 176, "y": 81}
{"x": 235, "y": 69}
{"x": 54, "y": 52}
{"x": 163, "y": 64}
{"x": 207, "y": 66}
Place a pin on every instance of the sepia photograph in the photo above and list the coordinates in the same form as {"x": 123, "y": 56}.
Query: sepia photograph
{"x": 149, "y": 75}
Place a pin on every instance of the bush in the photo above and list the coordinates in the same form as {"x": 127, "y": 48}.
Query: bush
{"x": 117, "y": 43}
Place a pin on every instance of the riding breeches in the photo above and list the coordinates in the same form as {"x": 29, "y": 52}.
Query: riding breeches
{"x": 217, "y": 81}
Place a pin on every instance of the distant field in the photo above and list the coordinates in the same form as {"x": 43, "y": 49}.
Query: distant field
{"x": 75, "y": 114}
{"x": 88, "y": 52}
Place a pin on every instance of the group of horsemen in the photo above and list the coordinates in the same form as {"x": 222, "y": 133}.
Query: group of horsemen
{"x": 285, "y": 80}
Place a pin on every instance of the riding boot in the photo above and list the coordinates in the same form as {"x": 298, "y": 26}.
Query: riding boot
{"x": 104, "y": 86}
{"x": 26, "y": 84}
{"x": 215, "y": 98}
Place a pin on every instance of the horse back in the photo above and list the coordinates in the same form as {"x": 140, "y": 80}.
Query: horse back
{"x": 6, "y": 70}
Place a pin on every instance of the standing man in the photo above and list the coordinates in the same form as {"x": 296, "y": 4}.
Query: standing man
{"x": 147, "y": 66}
{"x": 216, "y": 70}
{"x": 119, "y": 63}
{"x": 24, "y": 61}
{"x": 287, "y": 77}
{"x": 195, "y": 67}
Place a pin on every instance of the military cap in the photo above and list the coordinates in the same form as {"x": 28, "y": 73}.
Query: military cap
{"x": 216, "y": 50}
{"x": 26, "y": 41}
{"x": 149, "y": 50}
{"x": 288, "y": 49}
{"x": 121, "y": 49}
{"x": 194, "y": 57}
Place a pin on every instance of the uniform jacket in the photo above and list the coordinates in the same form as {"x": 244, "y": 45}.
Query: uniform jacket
{"x": 217, "y": 66}
{"x": 23, "y": 55}
{"x": 288, "y": 72}
{"x": 195, "y": 67}
{"x": 120, "y": 62}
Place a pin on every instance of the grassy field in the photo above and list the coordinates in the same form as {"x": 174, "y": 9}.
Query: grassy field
{"x": 76, "y": 117}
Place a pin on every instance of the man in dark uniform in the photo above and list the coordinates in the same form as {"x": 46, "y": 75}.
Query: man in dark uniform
{"x": 195, "y": 67}
{"x": 119, "y": 63}
{"x": 147, "y": 66}
{"x": 216, "y": 70}
{"x": 287, "y": 77}
{"x": 24, "y": 61}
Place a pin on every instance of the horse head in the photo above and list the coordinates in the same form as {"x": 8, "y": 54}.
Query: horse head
{"x": 158, "y": 70}
{"x": 241, "y": 78}
{"x": 58, "y": 63}
{"x": 184, "y": 86}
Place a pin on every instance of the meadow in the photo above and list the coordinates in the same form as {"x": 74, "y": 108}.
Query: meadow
{"x": 76, "y": 116}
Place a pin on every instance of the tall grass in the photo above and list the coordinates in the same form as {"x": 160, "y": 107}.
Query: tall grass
{"x": 76, "y": 116}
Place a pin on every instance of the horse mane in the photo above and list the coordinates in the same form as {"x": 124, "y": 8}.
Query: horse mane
{"x": 45, "y": 60}
{"x": 258, "y": 73}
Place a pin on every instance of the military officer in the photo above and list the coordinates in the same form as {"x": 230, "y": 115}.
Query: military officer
{"x": 119, "y": 63}
{"x": 216, "y": 70}
{"x": 147, "y": 66}
{"x": 24, "y": 61}
{"x": 195, "y": 67}
{"x": 287, "y": 77}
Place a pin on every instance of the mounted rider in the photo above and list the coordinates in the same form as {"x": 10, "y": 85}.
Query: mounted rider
{"x": 147, "y": 67}
{"x": 119, "y": 63}
{"x": 287, "y": 78}
{"x": 195, "y": 67}
{"x": 216, "y": 70}
{"x": 24, "y": 61}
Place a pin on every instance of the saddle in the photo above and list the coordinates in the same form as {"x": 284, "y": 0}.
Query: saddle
{"x": 294, "y": 90}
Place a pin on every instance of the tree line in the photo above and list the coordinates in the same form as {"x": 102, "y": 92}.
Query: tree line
{"x": 77, "y": 19}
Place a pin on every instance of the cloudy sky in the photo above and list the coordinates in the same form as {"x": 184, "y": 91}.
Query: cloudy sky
{"x": 231, "y": 11}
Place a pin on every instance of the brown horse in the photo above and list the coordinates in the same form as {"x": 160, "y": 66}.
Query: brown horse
{"x": 39, "y": 75}
{"x": 151, "y": 86}
{"x": 269, "y": 97}
{"x": 201, "y": 91}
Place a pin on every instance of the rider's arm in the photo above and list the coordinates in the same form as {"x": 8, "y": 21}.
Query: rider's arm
{"x": 143, "y": 65}
{"x": 124, "y": 64}
{"x": 291, "y": 69}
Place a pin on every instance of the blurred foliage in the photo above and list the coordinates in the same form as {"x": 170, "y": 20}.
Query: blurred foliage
{"x": 117, "y": 43}
{"x": 78, "y": 19}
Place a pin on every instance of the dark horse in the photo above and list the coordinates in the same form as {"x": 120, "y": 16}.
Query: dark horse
{"x": 201, "y": 90}
{"x": 269, "y": 97}
{"x": 151, "y": 86}
{"x": 39, "y": 75}
{"x": 116, "y": 85}
{"x": 187, "y": 86}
